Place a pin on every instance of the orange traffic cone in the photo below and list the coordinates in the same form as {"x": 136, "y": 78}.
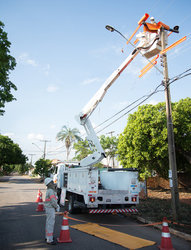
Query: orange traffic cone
{"x": 38, "y": 196}
{"x": 64, "y": 233}
{"x": 166, "y": 243}
{"x": 40, "y": 207}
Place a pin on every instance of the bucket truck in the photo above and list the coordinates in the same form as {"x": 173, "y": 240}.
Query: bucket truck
{"x": 114, "y": 190}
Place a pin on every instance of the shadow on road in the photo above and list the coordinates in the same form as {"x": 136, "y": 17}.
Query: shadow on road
{"x": 20, "y": 179}
{"x": 25, "y": 180}
{"x": 22, "y": 227}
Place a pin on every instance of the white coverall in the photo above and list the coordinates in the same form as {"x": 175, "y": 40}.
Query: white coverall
{"x": 50, "y": 207}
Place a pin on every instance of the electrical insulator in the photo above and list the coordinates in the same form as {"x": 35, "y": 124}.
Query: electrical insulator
{"x": 161, "y": 60}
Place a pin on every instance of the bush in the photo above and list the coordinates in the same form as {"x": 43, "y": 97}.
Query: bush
{"x": 6, "y": 169}
{"x": 22, "y": 168}
{"x": 154, "y": 209}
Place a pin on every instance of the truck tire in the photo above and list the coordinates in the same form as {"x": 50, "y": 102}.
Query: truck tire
{"x": 59, "y": 190}
{"x": 72, "y": 209}
{"x": 71, "y": 204}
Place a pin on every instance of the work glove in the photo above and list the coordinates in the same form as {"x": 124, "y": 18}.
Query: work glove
{"x": 58, "y": 208}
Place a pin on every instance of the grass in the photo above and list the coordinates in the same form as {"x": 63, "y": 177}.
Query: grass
{"x": 154, "y": 209}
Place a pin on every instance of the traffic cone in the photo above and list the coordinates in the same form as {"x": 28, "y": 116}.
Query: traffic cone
{"x": 40, "y": 207}
{"x": 166, "y": 243}
{"x": 64, "y": 233}
{"x": 38, "y": 196}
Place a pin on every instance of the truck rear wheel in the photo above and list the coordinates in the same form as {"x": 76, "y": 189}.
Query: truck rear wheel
{"x": 71, "y": 205}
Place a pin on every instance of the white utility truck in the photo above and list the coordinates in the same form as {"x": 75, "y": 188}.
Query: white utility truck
{"x": 99, "y": 191}
{"x": 107, "y": 190}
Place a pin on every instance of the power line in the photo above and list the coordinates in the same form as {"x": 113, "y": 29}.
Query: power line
{"x": 57, "y": 153}
{"x": 173, "y": 79}
{"x": 56, "y": 149}
{"x": 119, "y": 112}
{"x": 148, "y": 96}
{"x": 178, "y": 77}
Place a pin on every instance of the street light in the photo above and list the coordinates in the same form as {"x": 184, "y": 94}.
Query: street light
{"x": 110, "y": 28}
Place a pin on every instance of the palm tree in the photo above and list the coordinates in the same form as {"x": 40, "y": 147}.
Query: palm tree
{"x": 69, "y": 136}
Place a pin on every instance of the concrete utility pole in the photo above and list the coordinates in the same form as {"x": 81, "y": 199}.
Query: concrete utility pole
{"x": 45, "y": 141}
{"x": 111, "y": 133}
{"x": 173, "y": 179}
{"x": 31, "y": 158}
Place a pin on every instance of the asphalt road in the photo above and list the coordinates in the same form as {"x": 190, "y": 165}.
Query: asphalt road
{"x": 21, "y": 227}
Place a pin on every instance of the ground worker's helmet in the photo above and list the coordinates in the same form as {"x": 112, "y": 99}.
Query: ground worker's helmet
{"x": 47, "y": 181}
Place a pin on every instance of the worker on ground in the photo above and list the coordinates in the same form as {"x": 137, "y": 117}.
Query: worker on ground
{"x": 51, "y": 206}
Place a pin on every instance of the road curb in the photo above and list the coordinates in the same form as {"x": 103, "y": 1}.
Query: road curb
{"x": 172, "y": 231}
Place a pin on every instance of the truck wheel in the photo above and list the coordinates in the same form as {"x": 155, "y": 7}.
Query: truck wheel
{"x": 71, "y": 204}
{"x": 72, "y": 209}
{"x": 59, "y": 190}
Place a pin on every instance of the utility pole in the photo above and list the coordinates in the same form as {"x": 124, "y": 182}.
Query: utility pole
{"x": 111, "y": 133}
{"x": 31, "y": 158}
{"x": 173, "y": 179}
{"x": 44, "y": 154}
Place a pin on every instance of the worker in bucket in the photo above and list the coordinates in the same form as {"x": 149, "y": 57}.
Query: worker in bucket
{"x": 51, "y": 206}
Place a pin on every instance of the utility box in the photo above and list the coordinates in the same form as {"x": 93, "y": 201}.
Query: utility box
{"x": 119, "y": 180}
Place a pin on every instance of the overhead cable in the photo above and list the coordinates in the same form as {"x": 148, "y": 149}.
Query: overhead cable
{"x": 147, "y": 97}
{"x": 178, "y": 77}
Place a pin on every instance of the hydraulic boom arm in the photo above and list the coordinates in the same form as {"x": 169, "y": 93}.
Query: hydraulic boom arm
{"x": 92, "y": 104}
{"x": 84, "y": 120}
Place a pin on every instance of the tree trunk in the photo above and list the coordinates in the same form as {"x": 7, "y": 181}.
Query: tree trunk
{"x": 67, "y": 144}
{"x": 67, "y": 153}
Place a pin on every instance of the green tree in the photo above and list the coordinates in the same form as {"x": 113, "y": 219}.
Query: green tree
{"x": 69, "y": 136}
{"x": 43, "y": 167}
{"x": 144, "y": 145}
{"x": 182, "y": 130}
{"x": 82, "y": 149}
{"x": 109, "y": 144}
{"x": 7, "y": 63}
{"x": 10, "y": 154}
{"x": 6, "y": 169}
{"x": 22, "y": 168}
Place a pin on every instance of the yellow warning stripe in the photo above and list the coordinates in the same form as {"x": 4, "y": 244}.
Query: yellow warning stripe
{"x": 114, "y": 236}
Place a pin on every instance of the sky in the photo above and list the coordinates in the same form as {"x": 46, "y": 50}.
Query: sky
{"x": 64, "y": 54}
